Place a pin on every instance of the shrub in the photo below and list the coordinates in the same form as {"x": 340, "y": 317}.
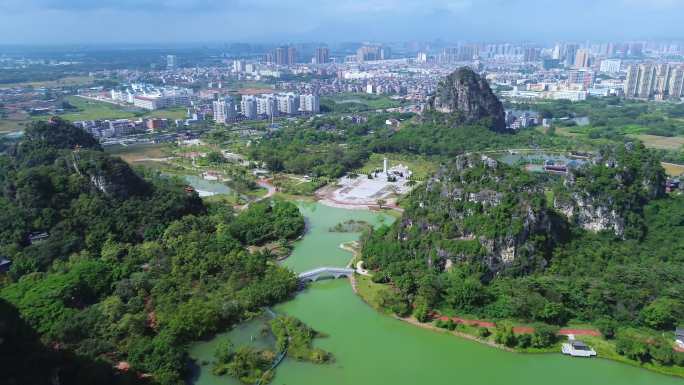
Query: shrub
{"x": 632, "y": 348}
{"x": 544, "y": 336}
{"x": 505, "y": 336}
{"x": 607, "y": 327}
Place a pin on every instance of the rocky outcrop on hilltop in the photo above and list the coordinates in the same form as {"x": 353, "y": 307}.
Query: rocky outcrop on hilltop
{"x": 111, "y": 176}
{"x": 609, "y": 193}
{"x": 591, "y": 214}
{"x": 476, "y": 210}
{"x": 468, "y": 96}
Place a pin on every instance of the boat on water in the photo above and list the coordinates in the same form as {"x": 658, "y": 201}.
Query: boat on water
{"x": 577, "y": 348}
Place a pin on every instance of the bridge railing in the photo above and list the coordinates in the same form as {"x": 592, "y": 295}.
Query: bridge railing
{"x": 325, "y": 270}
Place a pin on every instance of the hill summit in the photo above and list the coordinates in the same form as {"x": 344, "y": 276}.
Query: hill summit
{"x": 468, "y": 95}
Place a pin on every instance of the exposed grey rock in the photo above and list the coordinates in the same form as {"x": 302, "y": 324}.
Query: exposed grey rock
{"x": 468, "y": 95}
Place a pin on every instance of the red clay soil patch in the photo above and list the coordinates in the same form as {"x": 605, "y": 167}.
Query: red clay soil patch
{"x": 516, "y": 329}
{"x": 580, "y": 332}
{"x": 523, "y": 330}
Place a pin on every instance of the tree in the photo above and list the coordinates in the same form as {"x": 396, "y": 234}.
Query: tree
{"x": 662, "y": 314}
{"x": 607, "y": 327}
{"x": 524, "y": 341}
{"x": 544, "y": 336}
{"x": 632, "y": 348}
{"x": 463, "y": 293}
{"x": 215, "y": 157}
{"x": 554, "y": 313}
{"x": 224, "y": 351}
{"x": 421, "y": 310}
{"x": 504, "y": 335}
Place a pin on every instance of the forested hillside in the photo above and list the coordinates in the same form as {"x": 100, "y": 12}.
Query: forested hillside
{"x": 128, "y": 268}
{"x": 482, "y": 238}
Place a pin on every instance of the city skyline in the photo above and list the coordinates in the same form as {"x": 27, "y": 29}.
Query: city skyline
{"x": 53, "y": 22}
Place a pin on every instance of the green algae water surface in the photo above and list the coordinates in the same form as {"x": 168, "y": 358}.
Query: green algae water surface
{"x": 371, "y": 348}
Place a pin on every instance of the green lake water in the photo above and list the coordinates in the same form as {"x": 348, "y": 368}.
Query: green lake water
{"x": 207, "y": 187}
{"x": 371, "y": 348}
{"x": 320, "y": 247}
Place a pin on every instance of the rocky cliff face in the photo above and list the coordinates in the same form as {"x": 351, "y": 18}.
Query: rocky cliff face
{"x": 110, "y": 176}
{"x": 591, "y": 214}
{"x": 467, "y": 94}
{"x": 609, "y": 193}
{"x": 483, "y": 212}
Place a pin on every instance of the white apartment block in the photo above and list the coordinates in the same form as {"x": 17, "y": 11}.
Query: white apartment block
{"x": 310, "y": 103}
{"x": 224, "y": 111}
{"x": 611, "y": 66}
{"x": 288, "y": 103}
{"x": 248, "y": 107}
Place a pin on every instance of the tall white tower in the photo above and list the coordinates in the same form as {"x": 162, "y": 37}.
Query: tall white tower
{"x": 384, "y": 166}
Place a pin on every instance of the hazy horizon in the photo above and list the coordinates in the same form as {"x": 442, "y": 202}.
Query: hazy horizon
{"x": 57, "y": 22}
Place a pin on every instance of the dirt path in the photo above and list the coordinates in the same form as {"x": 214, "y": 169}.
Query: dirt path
{"x": 432, "y": 327}
{"x": 268, "y": 186}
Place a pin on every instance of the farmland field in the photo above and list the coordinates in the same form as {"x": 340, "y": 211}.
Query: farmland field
{"x": 662, "y": 142}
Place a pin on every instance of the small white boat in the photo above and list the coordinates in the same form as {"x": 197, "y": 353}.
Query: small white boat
{"x": 576, "y": 348}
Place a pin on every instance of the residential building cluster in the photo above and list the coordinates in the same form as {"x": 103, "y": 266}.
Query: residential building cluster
{"x": 265, "y": 106}
{"x": 655, "y": 81}
{"x": 116, "y": 128}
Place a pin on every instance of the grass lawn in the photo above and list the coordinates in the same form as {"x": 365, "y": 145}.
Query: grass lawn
{"x": 661, "y": 142}
{"x": 258, "y": 193}
{"x": 673, "y": 169}
{"x": 136, "y": 153}
{"x": 549, "y": 197}
{"x": 11, "y": 125}
{"x": 370, "y": 292}
{"x": 94, "y": 110}
{"x": 170, "y": 113}
{"x": 66, "y": 81}
{"x": 294, "y": 185}
{"x": 567, "y": 131}
{"x": 372, "y": 102}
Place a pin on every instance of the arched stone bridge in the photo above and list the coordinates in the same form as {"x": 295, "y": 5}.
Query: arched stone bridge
{"x": 315, "y": 274}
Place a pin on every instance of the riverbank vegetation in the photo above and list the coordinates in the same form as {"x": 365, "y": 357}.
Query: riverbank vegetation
{"x": 480, "y": 240}
{"x": 123, "y": 268}
{"x": 250, "y": 364}
{"x": 246, "y": 363}
{"x": 350, "y": 226}
{"x": 293, "y": 335}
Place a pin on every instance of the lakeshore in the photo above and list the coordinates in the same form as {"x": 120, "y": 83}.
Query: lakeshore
{"x": 370, "y": 345}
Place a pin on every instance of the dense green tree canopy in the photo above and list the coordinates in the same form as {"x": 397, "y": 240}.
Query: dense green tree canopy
{"x": 133, "y": 267}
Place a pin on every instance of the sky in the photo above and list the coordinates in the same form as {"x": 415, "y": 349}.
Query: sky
{"x": 280, "y": 21}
